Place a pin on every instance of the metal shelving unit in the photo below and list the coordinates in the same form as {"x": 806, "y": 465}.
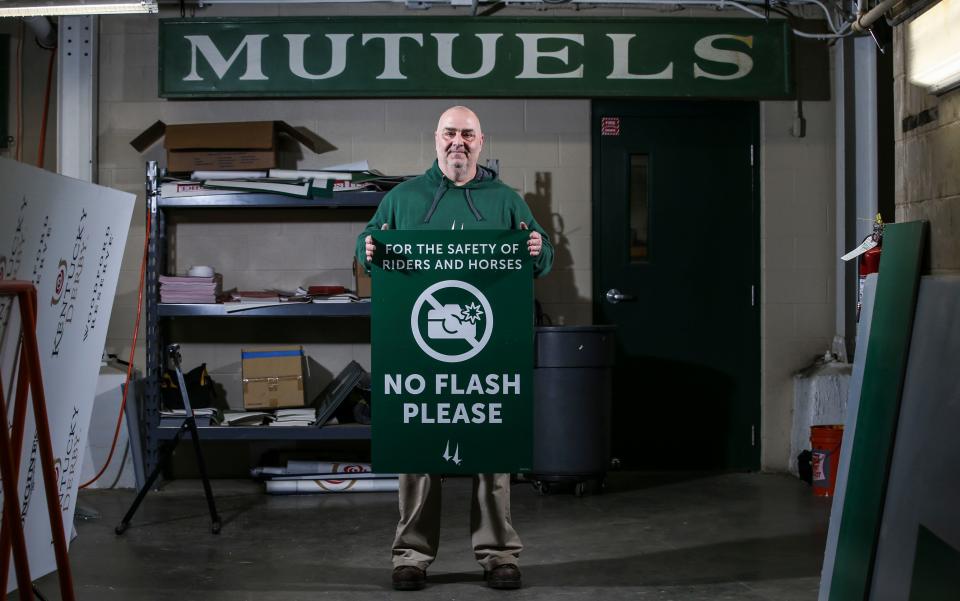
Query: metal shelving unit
{"x": 272, "y": 201}
{"x": 360, "y": 309}
{"x": 340, "y": 432}
{"x": 156, "y": 312}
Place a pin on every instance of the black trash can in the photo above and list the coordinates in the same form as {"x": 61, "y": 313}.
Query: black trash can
{"x": 572, "y": 379}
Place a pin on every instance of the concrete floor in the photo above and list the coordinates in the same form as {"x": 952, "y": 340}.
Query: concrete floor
{"x": 740, "y": 537}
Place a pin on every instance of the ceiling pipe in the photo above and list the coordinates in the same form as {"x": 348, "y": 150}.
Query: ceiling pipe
{"x": 44, "y": 30}
{"x": 752, "y": 7}
{"x": 865, "y": 20}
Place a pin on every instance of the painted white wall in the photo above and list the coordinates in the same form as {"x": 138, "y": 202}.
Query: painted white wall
{"x": 537, "y": 141}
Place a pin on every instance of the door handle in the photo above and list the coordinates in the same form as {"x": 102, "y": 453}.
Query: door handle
{"x": 614, "y": 296}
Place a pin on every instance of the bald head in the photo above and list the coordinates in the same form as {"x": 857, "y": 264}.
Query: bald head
{"x": 458, "y": 114}
{"x": 459, "y": 142}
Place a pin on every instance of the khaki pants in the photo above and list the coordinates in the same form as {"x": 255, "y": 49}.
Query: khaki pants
{"x": 495, "y": 542}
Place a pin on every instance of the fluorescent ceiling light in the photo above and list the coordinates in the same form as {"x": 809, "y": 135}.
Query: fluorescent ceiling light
{"x": 933, "y": 47}
{"x": 16, "y": 8}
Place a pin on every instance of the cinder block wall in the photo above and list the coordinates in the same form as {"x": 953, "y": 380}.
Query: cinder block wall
{"x": 928, "y": 162}
{"x": 798, "y": 234}
{"x": 544, "y": 149}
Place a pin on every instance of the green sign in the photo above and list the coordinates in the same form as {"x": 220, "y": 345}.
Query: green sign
{"x": 450, "y": 57}
{"x": 452, "y": 343}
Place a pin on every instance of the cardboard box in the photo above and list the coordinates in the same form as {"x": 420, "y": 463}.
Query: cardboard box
{"x": 223, "y": 146}
{"x": 273, "y": 377}
{"x": 362, "y": 282}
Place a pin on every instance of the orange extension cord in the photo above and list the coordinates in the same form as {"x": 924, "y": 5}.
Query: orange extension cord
{"x": 133, "y": 348}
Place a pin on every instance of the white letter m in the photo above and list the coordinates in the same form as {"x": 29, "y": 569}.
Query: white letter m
{"x": 220, "y": 65}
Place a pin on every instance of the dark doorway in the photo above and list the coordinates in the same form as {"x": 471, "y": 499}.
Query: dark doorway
{"x": 677, "y": 233}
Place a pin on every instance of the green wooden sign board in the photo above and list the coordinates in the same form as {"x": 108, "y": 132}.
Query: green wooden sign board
{"x": 936, "y": 568}
{"x": 452, "y": 344}
{"x": 883, "y": 377}
{"x": 444, "y": 57}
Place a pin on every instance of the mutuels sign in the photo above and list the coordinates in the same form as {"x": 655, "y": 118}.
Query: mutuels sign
{"x": 452, "y": 343}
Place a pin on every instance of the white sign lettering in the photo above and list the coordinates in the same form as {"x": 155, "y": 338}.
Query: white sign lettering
{"x": 488, "y": 54}
{"x": 338, "y": 54}
{"x": 705, "y": 49}
{"x": 532, "y": 55}
{"x": 219, "y": 64}
{"x": 391, "y": 51}
{"x": 621, "y": 60}
{"x": 250, "y": 50}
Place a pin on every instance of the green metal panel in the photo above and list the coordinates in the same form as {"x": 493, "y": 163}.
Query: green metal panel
{"x": 936, "y": 569}
{"x": 452, "y": 345}
{"x": 442, "y": 57}
{"x": 887, "y": 351}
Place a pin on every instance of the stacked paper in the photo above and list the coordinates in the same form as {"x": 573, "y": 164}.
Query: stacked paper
{"x": 294, "y": 417}
{"x": 246, "y": 418}
{"x": 185, "y": 289}
{"x": 301, "y": 487}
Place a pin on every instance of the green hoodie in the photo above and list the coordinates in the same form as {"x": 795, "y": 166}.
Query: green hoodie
{"x": 432, "y": 202}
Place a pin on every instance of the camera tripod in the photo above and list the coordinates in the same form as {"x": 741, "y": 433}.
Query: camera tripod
{"x": 189, "y": 423}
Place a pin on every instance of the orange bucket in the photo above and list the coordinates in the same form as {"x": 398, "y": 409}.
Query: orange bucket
{"x": 825, "y": 441}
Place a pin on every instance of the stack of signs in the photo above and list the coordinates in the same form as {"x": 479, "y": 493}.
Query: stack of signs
{"x": 187, "y": 289}
{"x": 452, "y": 344}
{"x": 306, "y": 477}
{"x": 67, "y": 237}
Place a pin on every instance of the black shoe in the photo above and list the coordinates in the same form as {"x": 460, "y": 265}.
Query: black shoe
{"x": 504, "y": 577}
{"x": 409, "y": 578}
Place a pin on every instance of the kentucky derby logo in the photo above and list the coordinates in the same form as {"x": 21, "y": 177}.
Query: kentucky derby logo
{"x": 346, "y": 483}
{"x": 67, "y": 287}
{"x": 456, "y": 319}
{"x": 331, "y": 484}
{"x": 59, "y": 282}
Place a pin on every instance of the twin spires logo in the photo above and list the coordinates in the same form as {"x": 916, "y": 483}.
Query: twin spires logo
{"x": 67, "y": 284}
{"x": 59, "y": 283}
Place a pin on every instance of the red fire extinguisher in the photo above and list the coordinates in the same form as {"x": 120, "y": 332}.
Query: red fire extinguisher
{"x": 869, "y": 261}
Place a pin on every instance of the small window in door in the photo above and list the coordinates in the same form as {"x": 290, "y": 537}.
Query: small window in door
{"x": 639, "y": 208}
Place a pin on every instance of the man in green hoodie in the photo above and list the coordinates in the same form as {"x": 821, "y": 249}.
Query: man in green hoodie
{"x": 456, "y": 193}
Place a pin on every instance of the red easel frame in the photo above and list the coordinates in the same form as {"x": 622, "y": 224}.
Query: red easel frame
{"x": 29, "y": 377}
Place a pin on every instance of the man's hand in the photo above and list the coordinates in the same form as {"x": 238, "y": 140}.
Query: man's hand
{"x": 371, "y": 246}
{"x": 534, "y": 242}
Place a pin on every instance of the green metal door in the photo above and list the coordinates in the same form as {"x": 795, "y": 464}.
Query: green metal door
{"x": 676, "y": 241}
